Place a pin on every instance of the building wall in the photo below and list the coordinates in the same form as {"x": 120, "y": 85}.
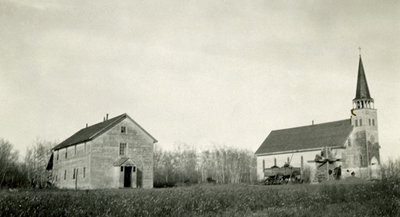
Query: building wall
{"x": 77, "y": 159}
{"x": 106, "y": 151}
{"x": 363, "y": 145}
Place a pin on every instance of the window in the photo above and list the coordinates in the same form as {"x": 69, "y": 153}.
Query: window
{"x": 66, "y": 153}
{"x": 65, "y": 174}
{"x": 356, "y": 123}
{"x": 84, "y": 148}
{"x": 349, "y": 142}
{"x": 263, "y": 164}
{"x": 75, "y": 150}
{"x": 369, "y": 120}
{"x": 133, "y": 169}
{"x": 122, "y": 169}
{"x": 122, "y": 149}
{"x": 373, "y": 122}
{"x": 73, "y": 176}
{"x": 57, "y": 155}
{"x": 361, "y": 160}
{"x": 84, "y": 172}
{"x": 360, "y": 122}
{"x": 123, "y": 129}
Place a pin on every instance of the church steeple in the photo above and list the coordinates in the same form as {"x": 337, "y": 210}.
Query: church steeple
{"x": 362, "y": 91}
{"x": 363, "y": 98}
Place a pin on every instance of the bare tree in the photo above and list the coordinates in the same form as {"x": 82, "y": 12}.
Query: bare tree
{"x": 391, "y": 169}
{"x": 36, "y": 159}
{"x": 8, "y": 160}
{"x": 186, "y": 164}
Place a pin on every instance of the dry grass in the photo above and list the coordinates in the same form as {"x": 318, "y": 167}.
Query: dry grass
{"x": 372, "y": 199}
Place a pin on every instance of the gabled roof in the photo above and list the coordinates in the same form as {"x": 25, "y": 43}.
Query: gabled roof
{"x": 89, "y": 133}
{"x": 362, "y": 91}
{"x": 124, "y": 162}
{"x": 332, "y": 134}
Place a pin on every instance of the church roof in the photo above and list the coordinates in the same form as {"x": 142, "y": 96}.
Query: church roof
{"x": 362, "y": 91}
{"x": 89, "y": 133}
{"x": 331, "y": 134}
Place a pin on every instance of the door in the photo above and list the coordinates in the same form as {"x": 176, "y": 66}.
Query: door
{"x": 374, "y": 168}
{"x": 127, "y": 177}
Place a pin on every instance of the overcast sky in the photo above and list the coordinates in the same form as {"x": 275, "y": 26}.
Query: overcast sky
{"x": 201, "y": 72}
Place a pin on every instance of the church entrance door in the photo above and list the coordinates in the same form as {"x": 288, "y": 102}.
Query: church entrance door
{"x": 127, "y": 177}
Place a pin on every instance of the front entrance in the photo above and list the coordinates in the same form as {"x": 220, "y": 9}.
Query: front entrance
{"x": 128, "y": 177}
{"x": 127, "y": 173}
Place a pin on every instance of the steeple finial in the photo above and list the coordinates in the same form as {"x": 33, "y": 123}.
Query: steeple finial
{"x": 359, "y": 48}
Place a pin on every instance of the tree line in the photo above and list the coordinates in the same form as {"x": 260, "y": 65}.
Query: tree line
{"x": 188, "y": 165}
{"x": 30, "y": 171}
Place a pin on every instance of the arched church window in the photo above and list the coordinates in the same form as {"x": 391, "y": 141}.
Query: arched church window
{"x": 373, "y": 122}
{"x": 369, "y": 120}
{"x": 361, "y": 160}
{"x": 360, "y": 122}
{"x": 356, "y": 121}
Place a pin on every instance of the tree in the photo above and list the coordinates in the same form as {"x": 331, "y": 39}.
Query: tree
{"x": 8, "y": 162}
{"x": 36, "y": 159}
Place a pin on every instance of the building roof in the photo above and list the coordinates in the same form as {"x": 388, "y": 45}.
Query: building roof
{"x": 362, "y": 91}
{"x": 124, "y": 162}
{"x": 332, "y": 134}
{"x": 91, "y": 132}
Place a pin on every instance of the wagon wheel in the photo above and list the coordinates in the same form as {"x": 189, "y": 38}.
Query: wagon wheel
{"x": 278, "y": 178}
{"x": 270, "y": 181}
{"x": 295, "y": 177}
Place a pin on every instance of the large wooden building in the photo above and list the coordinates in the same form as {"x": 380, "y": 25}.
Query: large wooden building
{"x": 354, "y": 141}
{"x": 115, "y": 153}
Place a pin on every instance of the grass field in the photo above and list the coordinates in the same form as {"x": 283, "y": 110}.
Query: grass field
{"x": 373, "y": 199}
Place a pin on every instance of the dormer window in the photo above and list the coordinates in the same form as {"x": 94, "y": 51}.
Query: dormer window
{"x": 123, "y": 129}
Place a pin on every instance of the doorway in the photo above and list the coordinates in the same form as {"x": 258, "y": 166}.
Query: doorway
{"x": 127, "y": 177}
{"x": 375, "y": 169}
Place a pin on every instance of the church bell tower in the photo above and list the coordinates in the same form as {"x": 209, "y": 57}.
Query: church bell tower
{"x": 364, "y": 139}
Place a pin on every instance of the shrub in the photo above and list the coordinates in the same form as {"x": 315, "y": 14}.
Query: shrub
{"x": 391, "y": 169}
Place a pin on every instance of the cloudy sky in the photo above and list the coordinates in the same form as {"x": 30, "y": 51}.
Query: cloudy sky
{"x": 223, "y": 72}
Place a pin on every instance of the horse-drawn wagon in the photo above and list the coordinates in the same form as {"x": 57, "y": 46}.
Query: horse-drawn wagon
{"x": 282, "y": 175}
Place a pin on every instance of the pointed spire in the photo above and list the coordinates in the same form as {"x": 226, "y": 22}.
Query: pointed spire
{"x": 362, "y": 91}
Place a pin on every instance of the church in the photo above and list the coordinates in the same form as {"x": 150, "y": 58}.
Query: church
{"x": 352, "y": 145}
